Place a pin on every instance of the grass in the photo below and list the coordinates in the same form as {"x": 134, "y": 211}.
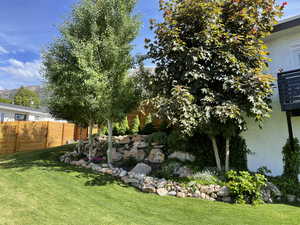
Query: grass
{"x": 36, "y": 189}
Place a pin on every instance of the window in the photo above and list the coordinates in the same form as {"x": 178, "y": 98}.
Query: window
{"x": 20, "y": 117}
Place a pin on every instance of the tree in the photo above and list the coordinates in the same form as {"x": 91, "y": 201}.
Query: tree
{"x": 26, "y": 97}
{"x": 210, "y": 60}
{"x": 87, "y": 67}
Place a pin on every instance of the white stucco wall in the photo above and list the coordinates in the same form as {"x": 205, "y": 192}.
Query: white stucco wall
{"x": 9, "y": 115}
{"x": 267, "y": 143}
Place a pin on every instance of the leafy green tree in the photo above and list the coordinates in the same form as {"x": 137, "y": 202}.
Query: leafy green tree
{"x": 210, "y": 60}
{"x": 26, "y": 97}
{"x": 87, "y": 67}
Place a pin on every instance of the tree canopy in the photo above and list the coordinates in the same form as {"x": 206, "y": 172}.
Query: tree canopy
{"x": 26, "y": 97}
{"x": 210, "y": 60}
{"x": 87, "y": 66}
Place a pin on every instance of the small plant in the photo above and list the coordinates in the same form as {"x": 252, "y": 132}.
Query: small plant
{"x": 291, "y": 160}
{"x": 245, "y": 188}
{"x": 206, "y": 177}
{"x": 123, "y": 127}
{"x": 135, "y": 125}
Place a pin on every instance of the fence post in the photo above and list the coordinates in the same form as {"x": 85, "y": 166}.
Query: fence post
{"x": 47, "y": 135}
{"x": 62, "y": 134}
{"x": 17, "y": 136}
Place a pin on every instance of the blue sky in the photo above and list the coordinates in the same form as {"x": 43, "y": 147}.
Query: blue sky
{"x": 28, "y": 26}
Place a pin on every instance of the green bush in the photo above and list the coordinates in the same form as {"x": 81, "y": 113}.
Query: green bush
{"x": 135, "y": 126}
{"x": 123, "y": 127}
{"x": 286, "y": 185}
{"x": 149, "y": 127}
{"x": 291, "y": 160}
{"x": 159, "y": 137}
{"x": 177, "y": 142}
{"x": 244, "y": 187}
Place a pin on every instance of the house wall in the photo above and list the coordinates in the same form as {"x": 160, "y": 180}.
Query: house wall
{"x": 10, "y": 116}
{"x": 267, "y": 143}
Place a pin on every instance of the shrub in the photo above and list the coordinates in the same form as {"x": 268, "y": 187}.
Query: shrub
{"x": 291, "y": 160}
{"x": 177, "y": 142}
{"x": 244, "y": 187}
{"x": 135, "y": 125}
{"x": 264, "y": 170}
{"x": 159, "y": 137}
{"x": 149, "y": 127}
{"x": 206, "y": 177}
{"x": 286, "y": 185}
{"x": 123, "y": 127}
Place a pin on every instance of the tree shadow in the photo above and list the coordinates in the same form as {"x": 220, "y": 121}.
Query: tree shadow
{"x": 49, "y": 160}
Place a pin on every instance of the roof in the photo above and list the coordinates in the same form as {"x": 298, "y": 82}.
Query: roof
{"x": 20, "y": 108}
{"x": 287, "y": 23}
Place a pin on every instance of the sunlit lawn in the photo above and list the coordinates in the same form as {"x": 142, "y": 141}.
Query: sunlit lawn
{"x": 36, "y": 189}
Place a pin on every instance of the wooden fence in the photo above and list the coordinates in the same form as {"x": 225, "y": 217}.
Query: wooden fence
{"x": 28, "y": 136}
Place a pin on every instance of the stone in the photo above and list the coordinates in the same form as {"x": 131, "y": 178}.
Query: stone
{"x": 172, "y": 193}
{"x": 227, "y": 199}
{"x": 141, "y": 144}
{"x": 181, "y": 195}
{"x": 148, "y": 188}
{"x": 141, "y": 168}
{"x": 81, "y": 162}
{"x": 224, "y": 192}
{"x": 214, "y": 195}
{"x": 156, "y": 156}
{"x": 123, "y": 173}
{"x": 197, "y": 194}
{"x": 274, "y": 190}
{"x": 182, "y": 156}
{"x": 162, "y": 191}
{"x": 161, "y": 183}
{"x": 116, "y": 156}
{"x": 291, "y": 198}
{"x": 139, "y": 155}
{"x": 183, "y": 172}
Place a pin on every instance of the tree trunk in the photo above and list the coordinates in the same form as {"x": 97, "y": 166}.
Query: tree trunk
{"x": 227, "y": 154}
{"x": 109, "y": 150}
{"x": 216, "y": 151}
{"x": 90, "y": 139}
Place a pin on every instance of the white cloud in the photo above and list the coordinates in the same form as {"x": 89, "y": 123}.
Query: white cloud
{"x": 3, "y": 50}
{"x": 22, "y": 69}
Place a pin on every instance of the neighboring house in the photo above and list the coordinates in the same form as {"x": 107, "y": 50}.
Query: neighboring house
{"x": 267, "y": 143}
{"x": 9, "y": 112}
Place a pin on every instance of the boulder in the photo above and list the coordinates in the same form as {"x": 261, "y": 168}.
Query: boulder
{"x": 116, "y": 156}
{"x": 172, "y": 193}
{"x": 141, "y": 168}
{"x": 224, "y": 192}
{"x": 138, "y": 154}
{"x": 123, "y": 173}
{"x": 181, "y": 195}
{"x": 162, "y": 191}
{"x": 183, "y": 172}
{"x": 148, "y": 188}
{"x": 156, "y": 156}
{"x": 182, "y": 156}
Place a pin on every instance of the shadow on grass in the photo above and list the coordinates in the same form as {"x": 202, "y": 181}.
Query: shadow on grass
{"x": 49, "y": 160}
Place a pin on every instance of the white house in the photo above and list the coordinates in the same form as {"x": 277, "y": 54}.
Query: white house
{"x": 267, "y": 143}
{"x": 9, "y": 112}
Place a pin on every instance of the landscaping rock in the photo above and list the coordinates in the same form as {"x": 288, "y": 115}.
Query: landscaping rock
{"x": 227, "y": 199}
{"x": 181, "y": 195}
{"x": 182, "y": 156}
{"x": 162, "y": 191}
{"x": 141, "y": 168}
{"x": 156, "y": 156}
{"x": 148, "y": 188}
{"x": 116, "y": 156}
{"x": 224, "y": 192}
{"x": 172, "y": 193}
{"x": 183, "y": 172}
{"x": 138, "y": 154}
{"x": 123, "y": 173}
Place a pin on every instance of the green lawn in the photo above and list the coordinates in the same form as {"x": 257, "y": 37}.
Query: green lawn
{"x": 36, "y": 189}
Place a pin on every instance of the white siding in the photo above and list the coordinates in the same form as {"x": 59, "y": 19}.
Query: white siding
{"x": 267, "y": 143}
{"x": 9, "y": 115}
